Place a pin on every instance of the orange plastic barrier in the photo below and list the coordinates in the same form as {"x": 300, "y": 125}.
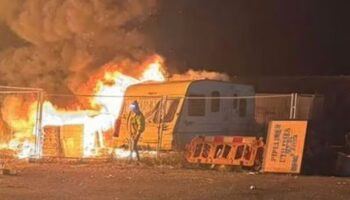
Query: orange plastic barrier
{"x": 225, "y": 150}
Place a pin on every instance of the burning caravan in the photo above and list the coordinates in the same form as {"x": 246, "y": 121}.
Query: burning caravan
{"x": 175, "y": 112}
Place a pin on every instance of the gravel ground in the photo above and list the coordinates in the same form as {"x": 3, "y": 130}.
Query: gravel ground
{"x": 119, "y": 181}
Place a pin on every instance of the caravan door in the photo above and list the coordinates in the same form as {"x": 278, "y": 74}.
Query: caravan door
{"x": 161, "y": 118}
{"x": 171, "y": 109}
{"x": 160, "y": 114}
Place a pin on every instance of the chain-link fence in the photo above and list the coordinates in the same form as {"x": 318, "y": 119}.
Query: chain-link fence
{"x": 94, "y": 126}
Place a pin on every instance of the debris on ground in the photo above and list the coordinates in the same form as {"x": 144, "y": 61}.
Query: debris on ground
{"x": 10, "y": 172}
{"x": 252, "y": 187}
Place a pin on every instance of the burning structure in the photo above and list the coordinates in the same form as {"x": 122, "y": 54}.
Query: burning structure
{"x": 99, "y": 114}
{"x": 90, "y": 50}
{"x": 85, "y": 129}
{"x": 71, "y": 47}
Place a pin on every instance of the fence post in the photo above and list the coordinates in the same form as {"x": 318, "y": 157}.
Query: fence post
{"x": 291, "y": 105}
{"x": 38, "y": 124}
{"x": 160, "y": 116}
{"x": 295, "y": 105}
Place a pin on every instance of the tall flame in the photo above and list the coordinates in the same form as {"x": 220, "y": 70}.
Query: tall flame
{"x": 108, "y": 90}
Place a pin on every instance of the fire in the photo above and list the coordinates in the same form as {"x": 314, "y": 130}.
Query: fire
{"x": 154, "y": 72}
{"x": 108, "y": 88}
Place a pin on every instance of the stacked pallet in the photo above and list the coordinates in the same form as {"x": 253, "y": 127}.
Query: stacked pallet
{"x": 63, "y": 141}
{"x": 51, "y": 143}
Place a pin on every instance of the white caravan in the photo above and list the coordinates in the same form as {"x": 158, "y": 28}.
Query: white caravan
{"x": 177, "y": 111}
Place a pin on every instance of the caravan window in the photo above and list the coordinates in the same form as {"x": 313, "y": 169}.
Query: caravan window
{"x": 215, "y": 101}
{"x": 242, "y": 107}
{"x": 170, "y": 110}
{"x": 155, "y": 113}
{"x": 196, "y": 106}
{"x": 235, "y": 102}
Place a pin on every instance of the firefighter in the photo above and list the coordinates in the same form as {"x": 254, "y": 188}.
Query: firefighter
{"x": 136, "y": 128}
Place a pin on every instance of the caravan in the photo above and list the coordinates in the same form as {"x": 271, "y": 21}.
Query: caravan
{"x": 178, "y": 111}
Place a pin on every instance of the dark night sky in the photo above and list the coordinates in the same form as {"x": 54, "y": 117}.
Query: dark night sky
{"x": 256, "y": 37}
{"x": 248, "y": 37}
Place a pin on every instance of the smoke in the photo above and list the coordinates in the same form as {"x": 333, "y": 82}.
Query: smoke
{"x": 199, "y": 75}
{"x": 67, "y": 40}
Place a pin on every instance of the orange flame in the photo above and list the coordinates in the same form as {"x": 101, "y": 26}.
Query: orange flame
{"x": 108, "y": 88}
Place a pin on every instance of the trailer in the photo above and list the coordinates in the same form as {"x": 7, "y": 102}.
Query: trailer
{"x": 178, "y": 111}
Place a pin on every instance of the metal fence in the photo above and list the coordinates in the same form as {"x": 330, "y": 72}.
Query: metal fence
{"x": 20, "y": 119}
{"x": 94, "y": 126}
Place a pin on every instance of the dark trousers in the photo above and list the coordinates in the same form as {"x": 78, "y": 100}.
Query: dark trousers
{"x": 133, "y": 146}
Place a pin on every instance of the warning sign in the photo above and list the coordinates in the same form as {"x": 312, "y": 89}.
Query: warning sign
{"x": 284, "y": 146}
